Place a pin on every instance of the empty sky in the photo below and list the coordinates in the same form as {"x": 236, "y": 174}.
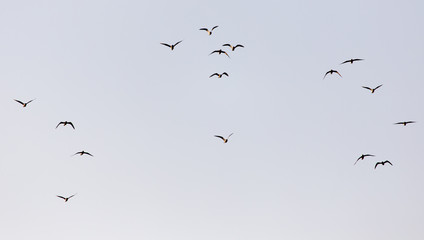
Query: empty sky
{"x": 149, "y": 116}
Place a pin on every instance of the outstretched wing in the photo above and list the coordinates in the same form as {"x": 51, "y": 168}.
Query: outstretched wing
{"x": 369, "y": 155}
{"x": 225, "y": 53}
{"x": 378, "y": 87}
{"x": 345, "y": 62}
{"x": 60, "y": 123}
{"x": 338, "y": 73}
{"x": 72, "y": 196}
{"x": 177, "y": 43}
{"x": 409, "y": 122}
{"x": 377, "y": 164}
{"x": 216, "y": 51}
{"x": 223, "y": 139}
{"x": 357, "y": 59}
{"x": 238, "y": 45}
{"x": 165, "y": 44}
{"x": 367, "y": 88}
{"x": 387, "y": 161}
{"x": 88, "y": 154}
{"x": 230, "y": 135}
{"x": 61, "y": 197}
{"x": 326, "y": 74}
{"x": 19, "y": 102}
{"x": 227, "y": 45}
{"x": 30, "y": 101}
{"x": 224, "y": 73}
{"x": 215, "y": 74}
{"x": 71, "y": 125}
{"x": 213, "y": 28}
{"x": 205, "y": 29}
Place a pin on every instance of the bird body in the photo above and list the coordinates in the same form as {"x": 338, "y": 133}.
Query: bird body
{"x": 24, "y": 104}
{"x": 382, "y": 163}
{"x": 352, "y": 60}
{"x": 219, "y": 52}
{"x": 65, "y": 198}
{"x": 372, "y": 89}
{"x": 219, "y": 75}
{"x": 82, "y": 153}
{"x": 233, "y": 47}
{"x": 66, "y": 123}
{"x": 208, "y": 31}
{"x": 224, "y": 139}
{"x": 404, "y": 123}
{"x": 171, "y": 46}
{"x": 331, "y": 72}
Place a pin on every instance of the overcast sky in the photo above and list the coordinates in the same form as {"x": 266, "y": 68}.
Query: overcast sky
{"x": 149, "y": 116}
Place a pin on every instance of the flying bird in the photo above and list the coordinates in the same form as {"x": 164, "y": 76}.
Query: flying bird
{"x": 404, "y": 123}
{"x": 65, "y": 198}
{"x": 171, "y": 46}
{"x": 233, "y": 47}
{"x": 224, "y": 139}
{"x": 352, "y": 60}
{"x": 24, "y": 104}
{"x": 363, "y": 156}
{"x": 331, "y": 72}
{"x": 372, "y": 89}
{"x": 219, "y": 75}
{"x": 66, "y": 123}
{"x": 382, "y": 163}
{"x": 207, "y": 30}
{"x": 82, "y": 153}
{"x": 219, "y": 52}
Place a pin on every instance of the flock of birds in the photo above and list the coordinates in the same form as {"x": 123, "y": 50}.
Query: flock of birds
{"x": 220, "y": 75}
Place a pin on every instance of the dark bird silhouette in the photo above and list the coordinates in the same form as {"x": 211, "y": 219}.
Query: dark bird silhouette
{"x": 404, "y": 123}
{"x": 66, "y": 123}
{"x": 352, "y": 60}
{"x": 331, "y": 72}
{"x": 363, "y": 156}
{"x": 65, "y": 198}
{"x": 171, "y": 46}
{"x": 219, "y": 52}
{"x": 24, "y": 104}
{"x": 372, "y": 89}
{"x": 207, "y": 30}
{"x": 233, "y": 47}
{"x": 82, "y": 153}
{"x": 382, "y": 163}
{"x": 219, "y": 75}
{"x": 224, "y": 139}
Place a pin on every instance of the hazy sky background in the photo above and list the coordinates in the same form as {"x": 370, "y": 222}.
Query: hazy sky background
{"x": 149, "y": 116}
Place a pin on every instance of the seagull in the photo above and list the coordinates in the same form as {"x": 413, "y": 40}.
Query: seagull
{"x": 233, "y": 47}
{"x": 171, "y": 46}
{"x": 65, "y": 123}
{"x": 331, "y": 72}
{"x": 65, "y": 198}
{"x": 404, "y": 123}
{"x": 24, "y": 104}
{"x": 219, "y": 52}
{"x": 207, "y": 30}
{"x": 224, "y": 139}
{"x": 372, "y": 89}
{"x": 363, "y": 156}
{"x": 82, "y": 153}
{"x": 219, "y": 75}
{"x": 382, "y": 163}
{"x": 352, "y": 60}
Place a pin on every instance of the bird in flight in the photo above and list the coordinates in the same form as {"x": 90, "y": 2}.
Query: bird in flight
{"x": 363, "y": 156}
{"x": 372, "y": 89}
{"x": 207, "y": 30}
{"x": 331, "y": 72}
{"x": 219, "y": 75}
{"x": 24, "y": 104}
{"x": 352, "y": 60}
{"x": 219, "y": 52}
{"x": 224, "y": 139}
{"x": 404, "y": 123}
{"x": 66, "y": 123}
{"x": 382, "y": 163}
{"x": 65, "y": 198}
{"x": 82, "y": 153}
{"x": 171, "y": 46}
{"x": 233, "y": 47}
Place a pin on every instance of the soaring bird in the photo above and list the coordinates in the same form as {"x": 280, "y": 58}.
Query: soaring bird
{"x": 207, "y": 30}
{"x": 219, "y": 52}
{"x": 352, "y": 60}
{"x": 66, "y": 123}
{"x": 82, "y": 153}
{"x": 224, "y": 139}
{"x": 404, "y": 123}
{"x": 382, "y": 163}
{"x": 219, "y": 75}
{"x": 372, "y": 89}
{"x": 233, "y": 47}
{"x": 171, "y": 46}
{"x": 363, "y": 156}
{"x": 24, "y": 104}
{"x": 65, "y": 198}
{"x": 331, "y": 72}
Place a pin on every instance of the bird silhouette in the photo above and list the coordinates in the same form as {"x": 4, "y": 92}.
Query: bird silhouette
{"x": 331, "y": 72}
{"x": 24, "y": 104}
{"x": 352, "y": 60}
{"x": 224, "y": 139}
{"x": 372, "y": 89}
{"x": 82, "y": 153}
{"x": 363, "y": 156}
{"x": 219, "y": 52}
{"x": 171, "y": 46}
{"x": 404, "y": 123}
{"x": 207, "y": 30}
{"x": 65, "y": 198}
{"x": 66, "y": 123}
{"x": 233, "y": 47}
{"x": 219, "y": 75}
{"x": 382, "y": 163}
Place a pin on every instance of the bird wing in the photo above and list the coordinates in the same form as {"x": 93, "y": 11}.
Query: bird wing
{"x": 238, "y": 45}
{"x": 177, "y": 43}
{"x": 357, "y": 161}
{"x": 410, "y": 122}
{"x": 224, "y": 73}
{"x": 30, "y": 101}
{"x": 326, "y": 74}
{"x": 369, "y": 155}
{"x": 60, "y": 197}
{"x": 387, "y": 161}
{"x": 165, "y": 44}
{"x": 377, "y": 164}
{"x": 227, "y": 45}
{"x": 59, "y": 124}
{"x": 357, "y": 59}
{"x": 71, "y": 125}
{"x": 77, "y": 153}
{"x": 215, "y": 74}
{"x": 378, "y": 87}
{"x": 220, "y": 137}
{"x": 230, "y": 135}
{"x": 367, "y": 88}
{"x": 214, "y": 52}
{"x": 88, "y": 154}
{"x": 338, "y": 73}
{"x": 204, "y": 29}
{"x": 72, "y": 196}
{"x": 213, "y": 28}
{"x": 345, "y": 62}
{"x": 19, "y": 102}
{"x": 226, "y": 53}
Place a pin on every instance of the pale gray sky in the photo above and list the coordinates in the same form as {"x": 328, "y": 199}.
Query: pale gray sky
{"x": 149, "y": 116}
